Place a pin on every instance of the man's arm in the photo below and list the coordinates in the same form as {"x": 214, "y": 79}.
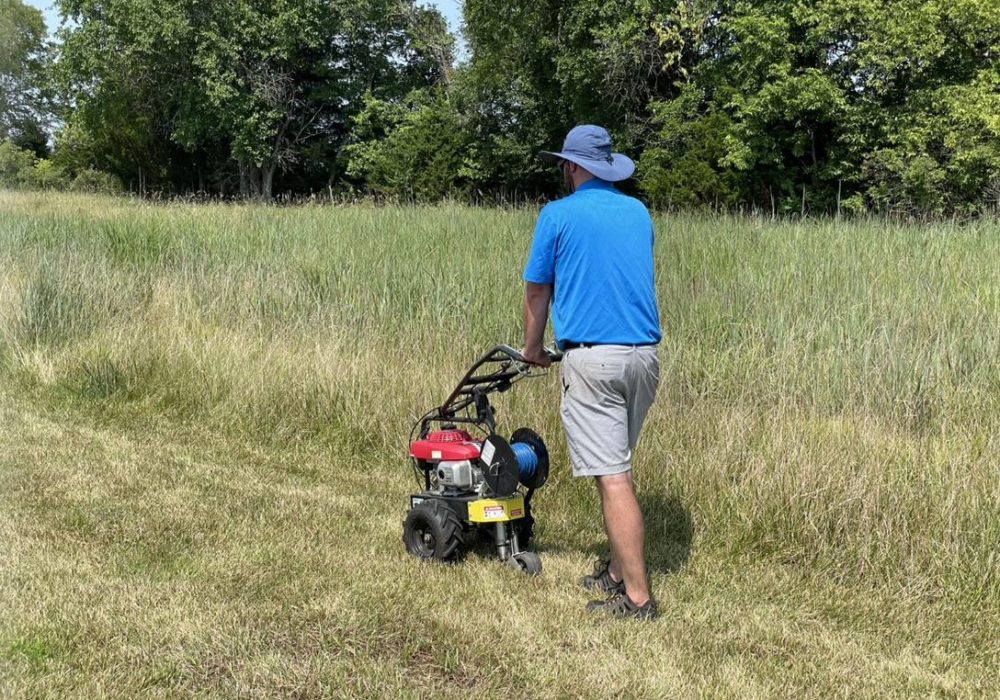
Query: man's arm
{"x": 536, "y": 314}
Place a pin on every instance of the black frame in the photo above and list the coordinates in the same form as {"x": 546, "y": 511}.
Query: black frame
{"x": 503, "y": 367}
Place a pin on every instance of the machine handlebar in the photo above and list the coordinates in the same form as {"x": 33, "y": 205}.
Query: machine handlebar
{"x": 497, "y": 370}
{"x": 554, "y": 354}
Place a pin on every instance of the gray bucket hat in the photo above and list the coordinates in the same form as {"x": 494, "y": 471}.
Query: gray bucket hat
{"x": 589, "y": 147}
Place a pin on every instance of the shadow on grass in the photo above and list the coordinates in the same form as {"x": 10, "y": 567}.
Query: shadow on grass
{"x": 669, "y": 534}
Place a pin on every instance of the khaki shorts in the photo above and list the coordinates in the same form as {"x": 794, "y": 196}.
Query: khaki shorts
{"x": 607, "y": 392}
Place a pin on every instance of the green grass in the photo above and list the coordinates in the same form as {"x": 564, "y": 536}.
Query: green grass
{"x": 203, "y": 418}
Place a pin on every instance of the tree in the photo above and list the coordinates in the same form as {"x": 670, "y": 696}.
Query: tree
{"x": 16, "y": 165}
{"x": 886, "y": 103}
{"x": 263, "y": 87}
{"x": 413, "y": 151}
{"x": 22, "y": 56}
{"x": 538, "y": 68}
{"x": 807, "y": 106}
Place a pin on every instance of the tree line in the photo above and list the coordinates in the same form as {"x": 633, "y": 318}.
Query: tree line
{"x": 810, "y": 106}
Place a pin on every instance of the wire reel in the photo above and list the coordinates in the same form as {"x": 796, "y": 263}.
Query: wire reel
{"x": 524, "y": 460}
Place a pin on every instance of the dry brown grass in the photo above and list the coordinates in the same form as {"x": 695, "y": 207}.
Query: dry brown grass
{"x": 165, "y": 562}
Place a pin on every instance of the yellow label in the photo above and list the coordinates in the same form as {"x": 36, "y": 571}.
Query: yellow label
{"x": 490, "y": 510}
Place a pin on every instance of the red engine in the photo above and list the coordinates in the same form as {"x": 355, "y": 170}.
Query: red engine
{"x": 446, "y": 445}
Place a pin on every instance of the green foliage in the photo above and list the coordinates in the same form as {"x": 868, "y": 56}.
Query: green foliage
{"x": 22, "y": 52}
{"x": 95, "y": 182}
{"x": 774, "y": 105}
{"x": 20, "y": 169}
{"x": 49, "y": 176}
{"x": 537, "y": 68}
{"x": 892, "y": 103}
{"x": 411, "y": 152}
{"x": 16, "y": 165}
{"x": 784, "y": 107}
{"x": 32, "y": 137}
{"x": 946, "y": 153}
{"x": 237, "y": 92}
{"x": 685, "y": 166}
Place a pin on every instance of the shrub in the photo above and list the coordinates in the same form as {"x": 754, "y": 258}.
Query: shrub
{"x": 16, "y": 165}
{"x": 20, "y": 169}
{"x": 95, "y": 181}
{"x": 682, "y": 168}
{"x": 46, "y": 175}
{"x": 416, "y": 154}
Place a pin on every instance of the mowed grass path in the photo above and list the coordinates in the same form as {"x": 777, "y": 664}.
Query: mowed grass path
{"x": 203, "y": 417}
{"x": 164, "y": 562}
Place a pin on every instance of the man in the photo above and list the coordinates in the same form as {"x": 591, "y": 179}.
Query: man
{"x": 592, "y": 257}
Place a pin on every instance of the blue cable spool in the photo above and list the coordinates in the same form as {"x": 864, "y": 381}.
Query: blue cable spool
{"x": 532, "y": 457}
{"x": 527, "y": 461}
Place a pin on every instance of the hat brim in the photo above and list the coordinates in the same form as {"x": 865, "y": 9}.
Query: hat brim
{"x": 621, "y": 167}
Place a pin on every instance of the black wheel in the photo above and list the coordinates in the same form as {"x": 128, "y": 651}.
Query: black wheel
{"x": 527, "y": 562}
{"x": 432, "y": 530}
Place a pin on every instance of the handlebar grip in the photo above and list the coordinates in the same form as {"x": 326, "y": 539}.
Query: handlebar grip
{"x": 555, "y": 355}
{"x": 510, "y": 352}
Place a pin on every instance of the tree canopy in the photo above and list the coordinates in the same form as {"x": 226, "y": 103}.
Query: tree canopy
{"x": 223, "y": 96}
{"x": 811, "y": 105}
{"x": 23, "y": 104}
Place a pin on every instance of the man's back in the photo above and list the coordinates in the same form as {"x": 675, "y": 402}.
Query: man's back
{"x": 596, "y": 247}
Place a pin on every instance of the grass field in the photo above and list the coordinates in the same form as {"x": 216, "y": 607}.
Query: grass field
{"x": 203, "y": 422}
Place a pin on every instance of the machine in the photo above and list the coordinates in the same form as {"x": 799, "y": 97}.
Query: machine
{"x": 476, "y": 483}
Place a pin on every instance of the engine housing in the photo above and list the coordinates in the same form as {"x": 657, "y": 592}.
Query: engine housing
{"x": 459, "y": 474}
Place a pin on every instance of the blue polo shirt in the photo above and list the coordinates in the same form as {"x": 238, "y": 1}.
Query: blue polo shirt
{"x": 596, "y": 247}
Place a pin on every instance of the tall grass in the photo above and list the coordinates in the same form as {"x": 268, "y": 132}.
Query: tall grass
{"x": 829, "y": 396}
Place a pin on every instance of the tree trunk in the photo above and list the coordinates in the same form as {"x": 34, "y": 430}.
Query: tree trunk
{"x": 267, "y": 180}
{"x": 252, "y": 181}
{"x": 244, "y": 180}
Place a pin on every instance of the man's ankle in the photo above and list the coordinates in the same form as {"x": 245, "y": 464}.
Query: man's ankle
{"x": 640, "y": 598}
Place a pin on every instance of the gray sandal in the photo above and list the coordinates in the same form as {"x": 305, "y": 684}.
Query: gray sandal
{"x": 622, "y": 606}
{"x": 601, "y": 580}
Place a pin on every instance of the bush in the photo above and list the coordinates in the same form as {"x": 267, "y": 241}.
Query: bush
{"x": 19, "y": 169}
{"x": 96, "y": 182}
{"x": 16, "y": 166}
{"x": 410, "y": 154}
{"x": 681, "y": 168}
{"x": 904, "y": 184}
{"x": 46, "y": 175}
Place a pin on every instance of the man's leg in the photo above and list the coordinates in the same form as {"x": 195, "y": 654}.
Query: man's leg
{"x": 623, "y": 522}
